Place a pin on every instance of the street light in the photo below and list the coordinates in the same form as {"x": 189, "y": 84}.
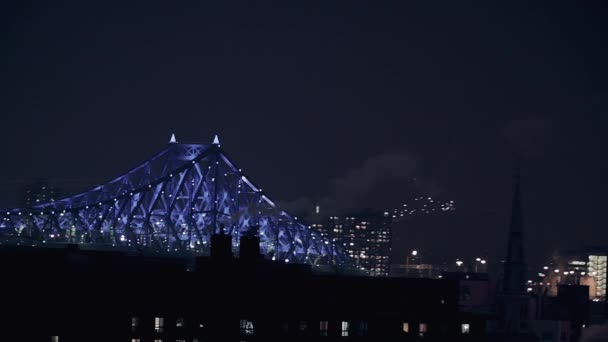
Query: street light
{"x": 459, "y": 263}
{"x": 477, "y": 261}
{"x": 415, "y": 260}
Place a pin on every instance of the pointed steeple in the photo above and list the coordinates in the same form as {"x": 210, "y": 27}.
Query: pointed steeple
{"x": 173, "y": 140}
{"x": 216, "y": 140}
{"x": 514, "y": 273}
{"x": 513, "y": 300}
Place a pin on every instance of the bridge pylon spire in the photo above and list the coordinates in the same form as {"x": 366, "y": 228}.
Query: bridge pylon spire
{"x": 173, "y": 140}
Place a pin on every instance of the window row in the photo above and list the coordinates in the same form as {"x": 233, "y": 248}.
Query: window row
{"x": 247, "y": 327}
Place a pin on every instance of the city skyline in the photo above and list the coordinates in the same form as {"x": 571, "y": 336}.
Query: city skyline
{"x": 349, "y": 106}
{"x": 316, "y": 170}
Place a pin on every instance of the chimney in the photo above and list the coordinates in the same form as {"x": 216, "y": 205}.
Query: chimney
{"x": 221, "y": 245}
{"x": 249, "y": 248}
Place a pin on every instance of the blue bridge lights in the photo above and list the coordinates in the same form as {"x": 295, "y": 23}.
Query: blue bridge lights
{"x": 172, "y": 202}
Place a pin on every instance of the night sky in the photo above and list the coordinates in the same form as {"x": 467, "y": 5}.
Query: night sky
{"x": 327, "y": 102}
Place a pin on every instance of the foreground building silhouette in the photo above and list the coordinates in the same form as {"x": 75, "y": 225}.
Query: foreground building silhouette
{"x": 70, "y": 294}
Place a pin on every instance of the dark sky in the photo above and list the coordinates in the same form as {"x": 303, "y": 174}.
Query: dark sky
{"x": 308, "y": 97}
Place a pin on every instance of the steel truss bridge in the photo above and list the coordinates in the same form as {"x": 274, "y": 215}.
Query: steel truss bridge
{"x": 173, "y": 202}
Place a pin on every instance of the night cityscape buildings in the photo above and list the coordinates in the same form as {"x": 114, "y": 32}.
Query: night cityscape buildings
{"x": 366, "y": 237}
{"x": 81, "y": 238}
{"x": 39, "y": 192}
{"x": 384, "y": 134}
{"x": 366, "y": 234}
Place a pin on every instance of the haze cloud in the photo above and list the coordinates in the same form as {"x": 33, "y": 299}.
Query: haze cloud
{"x": 382, "y": 180}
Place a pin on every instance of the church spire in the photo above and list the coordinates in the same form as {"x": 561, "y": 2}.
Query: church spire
{"x": 513, "y": 300}
{"x": 514, "y": 277}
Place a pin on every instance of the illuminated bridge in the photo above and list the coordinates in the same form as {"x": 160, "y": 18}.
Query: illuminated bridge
{"x": 172, "y": 203}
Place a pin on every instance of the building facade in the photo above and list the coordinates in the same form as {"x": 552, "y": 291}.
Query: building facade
{"x": 69, "y": 294}
{"x": 365, "y": 236}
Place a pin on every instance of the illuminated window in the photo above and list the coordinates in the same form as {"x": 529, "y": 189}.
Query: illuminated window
{"x": 135, "y": 340}
{"x": 406, "y": 327}
{"x": 159, "y": 324}
{"x": 422, "y": 329}
{"x": 246, "y": 327}
{"x": 465, "y": 328}
{"x": 179, "y": 322}
{"x": 597, "y": 267}
{"x": 323, "y": 327}
{"x": 54, "y": 338}
{"x": 134, "y": 323}
{"x": 158, "y": 340}
{"x": 345, "y": 326}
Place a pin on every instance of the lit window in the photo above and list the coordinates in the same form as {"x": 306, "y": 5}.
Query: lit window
{"x": 158, "y": 340}
{"x": 246, "y": 327}
{"x": 135, "y": 340}
{"x": 422, "y": 329}
{"x": 406, "y": 327}
{"x": 344, "y": 329}
{"x": 179, "y": 322}
{"x": 134, "y": 323}
{"x": 54, "y": 338}
{"x": 159, "y": 323}
{"x": 180, "y": 340}
{"x": 465, "y": 328}
{"x": 323, "y": 327}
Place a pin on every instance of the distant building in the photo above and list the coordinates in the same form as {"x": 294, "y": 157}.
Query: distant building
{"x": 38, "y": 193}
{"x": 597, "y": 267}
{"x": 366, "y": 236}
{"x": 417, "y": 270}
{"x": 588, "y": 267}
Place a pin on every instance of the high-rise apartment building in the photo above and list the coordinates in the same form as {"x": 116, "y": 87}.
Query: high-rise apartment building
{"x": 366, "y": 236}
{"x": 38, "y": 193}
